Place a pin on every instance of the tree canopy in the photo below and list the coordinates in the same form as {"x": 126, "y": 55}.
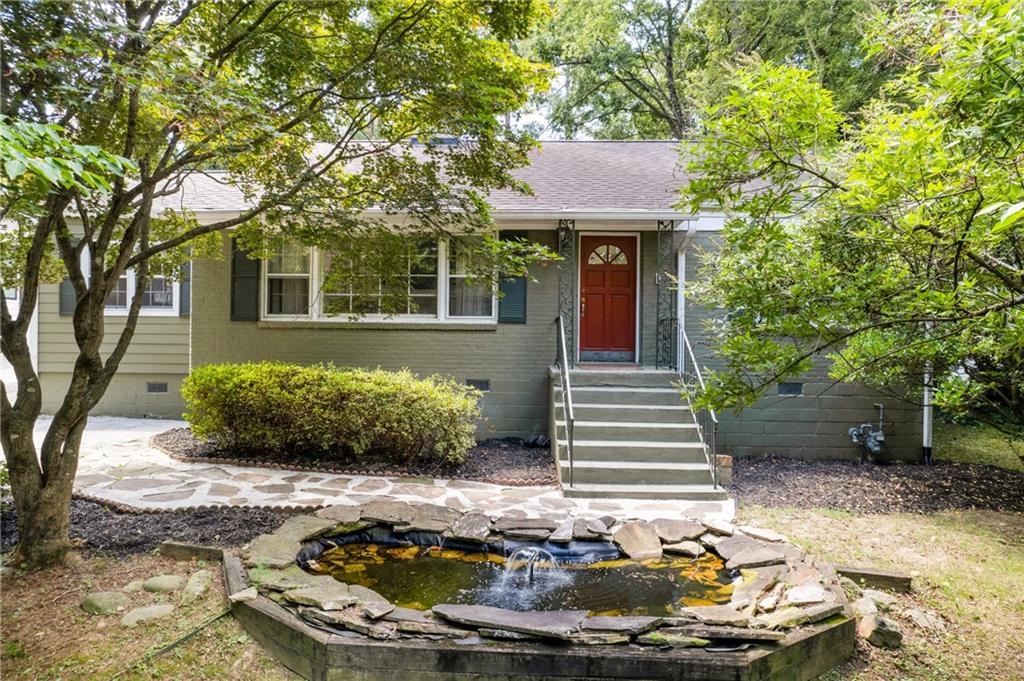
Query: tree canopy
{"x": 893, "y": 243}
{"x": 108, "y": 107}
{"x": 640, "y": 68}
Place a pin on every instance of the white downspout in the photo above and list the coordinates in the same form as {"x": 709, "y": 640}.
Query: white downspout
{"x": 691, "y": 230}
{"x": 926, "y": 417}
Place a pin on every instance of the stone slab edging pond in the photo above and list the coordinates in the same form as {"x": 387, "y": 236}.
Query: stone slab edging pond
{"x": 788, "y": 617}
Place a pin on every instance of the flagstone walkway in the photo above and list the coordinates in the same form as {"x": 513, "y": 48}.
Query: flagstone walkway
{"x": 117, "y": 464}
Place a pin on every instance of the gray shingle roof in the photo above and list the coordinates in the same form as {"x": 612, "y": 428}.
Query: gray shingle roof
{"x": 564, "y": 176}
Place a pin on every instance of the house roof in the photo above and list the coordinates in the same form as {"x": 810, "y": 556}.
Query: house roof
{"x": 565, "y": 176}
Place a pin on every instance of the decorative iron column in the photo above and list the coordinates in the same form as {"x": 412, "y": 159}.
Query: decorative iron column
{"x": 665, "y": 297}
{"x": 567, "y": 283}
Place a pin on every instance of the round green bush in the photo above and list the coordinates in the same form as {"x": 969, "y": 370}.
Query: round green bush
{"x": 288, "y": 407}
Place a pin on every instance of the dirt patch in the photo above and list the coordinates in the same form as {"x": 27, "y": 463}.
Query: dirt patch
{"x": 503, "y": 462}
{"x": 111, "y": 532}
{"x": 46, "y": 635}
{"x": 867, "y": 488}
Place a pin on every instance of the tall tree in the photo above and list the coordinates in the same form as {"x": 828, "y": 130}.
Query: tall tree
{"x": 637, "y": 68}
{"x": 893, "y": 244}
{"x": 107, "y": 106}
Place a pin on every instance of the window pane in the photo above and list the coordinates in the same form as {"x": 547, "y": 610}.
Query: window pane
{"x": 459, "y": 255}
{"x": 11, "y": 293}
{"x": 119, "y": 296}
{"x": 159, "y": 293}
{"x": 291, "y": 259}
{"x": 288, "y": 296}
{"x": 469, "y": 301}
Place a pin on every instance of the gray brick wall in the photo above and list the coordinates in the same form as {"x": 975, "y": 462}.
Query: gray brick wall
{"x": 813, "y": 426}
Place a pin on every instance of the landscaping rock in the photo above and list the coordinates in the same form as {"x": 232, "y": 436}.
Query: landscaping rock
{"x": 506, "y": 635}
{"x": 196, "y": 587}
{"x": 864, "y": 607}
{"x": 272, "y": 551}
{"x": 163, "y": 583}
{"x": 720, "y": 527}
{"x": 792, "y": 616}
{"x": 388, "y": 511}
{"x": 638, "y": 540}
{"x": 753, "y": 584}
{"x": 598, "y": 638}
{"x": 879, "y": 632}
{"x": 718, "y": 615}
{"x": 926, "y": 620}
{"x": 762, "y": 533}
{"x": 301, "y": 528}
{"x": 431, "y": 518}
{"x": 711, "y": 540}
{"x": 671, "y": 638}
{"x": 334, "y": 597}
{"x": 244, "y": 595}
{"x": 340, "y": 514}
{"x": 807, "y": 594}
{"x": 471, "y": 527}
{"x": 105, "y": 602}
{"x": 564, "y": 533}
{"x": 291, "y": 577}
{"x": 432, "y": 627}
{"x": 137, "y": 616}
{"x": 727, "y": 547}
{"x": 622, "y": 625}
{"x": 684, "y": 548}
{"x": 581, "y": 531}
{"x": 883, "y": 600}
{"x": 755, "y": 558}
{"x": 132, "y": 587}
{"x": 350, "y": 619}
{"x": 549, "y": 624}
{"x": 596, "y": 526}
{"x": 673, "y": 531}
{"x": 505, "y": 524}
{"x": 524, "y": 534}
{"x": 376, "y": 609}
{"x": 728, "y": 633}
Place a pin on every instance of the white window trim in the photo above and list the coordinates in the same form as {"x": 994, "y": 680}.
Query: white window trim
{"x": 316, "y": 300}
{"x": 111, "y": 311}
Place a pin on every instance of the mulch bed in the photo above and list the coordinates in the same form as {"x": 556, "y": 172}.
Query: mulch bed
{"x": 111, "y": 532}
{"x": 868, "y": 488}
{"x": 503, "y": 462}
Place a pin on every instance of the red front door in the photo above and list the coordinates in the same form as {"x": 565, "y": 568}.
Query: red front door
{"x": 607, "y": 298}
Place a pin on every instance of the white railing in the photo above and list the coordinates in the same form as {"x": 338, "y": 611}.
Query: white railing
{"x": 705, "y": 419}
{"x": 562, "y": 358}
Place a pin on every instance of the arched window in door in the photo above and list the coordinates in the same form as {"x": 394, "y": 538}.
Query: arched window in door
{"x": 607, "y": 254}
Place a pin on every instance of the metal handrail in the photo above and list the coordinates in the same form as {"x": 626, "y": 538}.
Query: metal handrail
{"x": 706, "y": 420}
{"x": 562, "y": 358}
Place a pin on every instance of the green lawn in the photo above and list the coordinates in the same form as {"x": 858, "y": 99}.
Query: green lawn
{"x": 977, "y": 444}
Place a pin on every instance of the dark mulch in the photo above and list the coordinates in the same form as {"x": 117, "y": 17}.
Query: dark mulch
{"x": 507, "y": 461}
{"x": 869, "y": 488}
{"x": 111, "y": 532}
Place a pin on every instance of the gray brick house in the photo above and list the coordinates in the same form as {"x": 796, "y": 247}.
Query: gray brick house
{"x": 607, "y": 208}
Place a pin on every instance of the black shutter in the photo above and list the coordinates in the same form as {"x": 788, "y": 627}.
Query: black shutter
{"x": 185, "y": 290}
{"x": 245, "y": 286}
{"x": 68, "y": 300}
{"x": 512, "y": 304}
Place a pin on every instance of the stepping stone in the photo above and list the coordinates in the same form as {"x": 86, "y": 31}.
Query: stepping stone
{"x": 326, "y": 597}
{"x": 219, "y": 489}
{"x": 196, "y": 587}
{"x": 250, "y": 477}
{"x": 371, "y": 485}
{"x": 91, "y": 479}
{"x": 136, "y": 484}
{"x": 684, "y": 548}
{"x": 674, "y": 531}
{"x": 549, "y": 624}
{"x": 169, "y": 496}
{"x": 275, "y": 488}
{"x": 132, "y": 587}
{"x": 296, "y": 477}
{"x": 137, "y": 616}
{"x": 336, "y": 483}
{"x": 105, "y": 602}
{"x": 163, "y": 583}
{"x": 638, "y": 540}
{"x": 622, "y": 625}
{"x": 472, "y": 527}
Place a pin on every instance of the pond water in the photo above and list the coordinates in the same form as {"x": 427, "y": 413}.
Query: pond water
{"x": 421, "y": 577}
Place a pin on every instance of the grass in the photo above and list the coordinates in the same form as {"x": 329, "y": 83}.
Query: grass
{"x": 968, "y": 568}
{"x": 979, "y": 443}
{"x": 47, "y": 636}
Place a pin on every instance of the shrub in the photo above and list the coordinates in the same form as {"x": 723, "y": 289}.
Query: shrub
{"x": 287, "y": 407}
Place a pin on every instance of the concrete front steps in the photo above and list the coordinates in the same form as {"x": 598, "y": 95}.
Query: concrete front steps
{"x": 634, "y": 437}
